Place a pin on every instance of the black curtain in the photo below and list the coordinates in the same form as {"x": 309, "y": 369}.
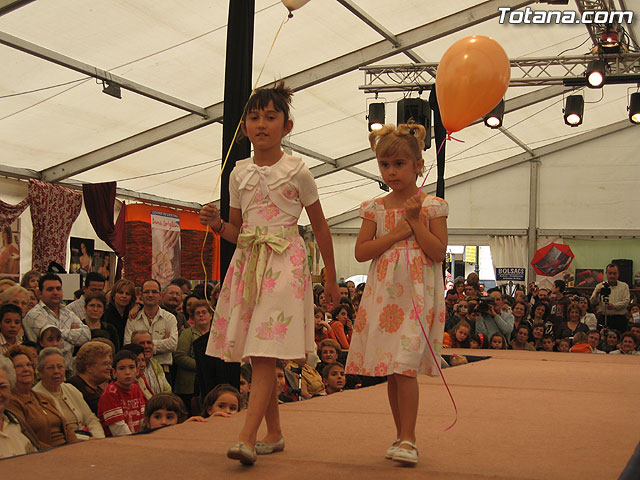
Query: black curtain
{"x": 237, "y": 88}
{"x": 440, "y": 135}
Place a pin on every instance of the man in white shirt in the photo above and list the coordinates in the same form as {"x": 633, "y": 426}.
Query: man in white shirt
{"x": 50, "y": 311}
{"x": 93, "y": 282}
{"x": 161, "y": 324}
{"x": 612, "y": 308}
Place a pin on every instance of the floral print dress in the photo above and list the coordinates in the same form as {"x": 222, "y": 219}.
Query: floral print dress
{"x": 387, "y": 337}
{"x": 265, "y": 307}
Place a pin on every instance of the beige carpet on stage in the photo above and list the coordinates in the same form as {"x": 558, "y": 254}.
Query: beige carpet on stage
{"x": 530, "y": 415}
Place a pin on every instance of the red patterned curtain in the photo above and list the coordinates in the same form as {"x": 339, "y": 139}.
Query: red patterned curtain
{"x": 9, "y": 213}
{"x": 53, "y": 210}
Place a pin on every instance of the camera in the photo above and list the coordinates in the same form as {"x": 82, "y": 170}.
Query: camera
{"x": 483, "y": 305}
{"x": 605, "y": 291}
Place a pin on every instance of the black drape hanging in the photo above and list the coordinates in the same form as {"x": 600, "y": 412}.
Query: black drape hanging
{"x": 237, "y": 88}
{"x": 440, "y": 135}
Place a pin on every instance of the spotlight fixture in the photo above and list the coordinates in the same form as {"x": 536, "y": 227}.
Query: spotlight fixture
{"x": 417, "y": 110}
{"x": 595, "y": 73}
{"x": 493, "y": 119}
{"x": 609, "y": 41}
{"x": 573, "y": 110}
{"x": 376, "y": 116}
{"x": 634, "y": 108}
{"x": 112, "y": 89}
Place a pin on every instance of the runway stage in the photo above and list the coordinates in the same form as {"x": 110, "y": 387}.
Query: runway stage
{"x": 529, "y": 415}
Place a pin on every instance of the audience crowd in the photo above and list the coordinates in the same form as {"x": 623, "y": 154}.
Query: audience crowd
{"x": 124, "y": 360}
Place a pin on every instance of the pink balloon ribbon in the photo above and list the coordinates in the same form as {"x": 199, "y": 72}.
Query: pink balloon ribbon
{"x": 415, "y": 308}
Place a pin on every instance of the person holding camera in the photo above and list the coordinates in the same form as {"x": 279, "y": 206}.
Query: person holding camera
{"x": 611, "y": 299}
{"x": 491, "y": 320}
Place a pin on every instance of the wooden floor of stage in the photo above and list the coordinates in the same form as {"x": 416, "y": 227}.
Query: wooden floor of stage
{"x": 524, "y": 415}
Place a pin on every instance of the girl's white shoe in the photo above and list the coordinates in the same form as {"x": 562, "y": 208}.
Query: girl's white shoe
{"x": 392, "y": 449}
{"x": 406, "y": 456}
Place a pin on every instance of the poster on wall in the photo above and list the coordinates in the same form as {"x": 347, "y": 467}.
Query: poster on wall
{"x": 102, "y": 262}
{"x": 165, "y": 246}
{"x": 10, "y": 252}
{"x": 81, "y": 255}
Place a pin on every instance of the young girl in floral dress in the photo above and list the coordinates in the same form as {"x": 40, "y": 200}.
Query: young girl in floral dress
{"x": 265, "y": 308}
{"x": 405, "y": 233}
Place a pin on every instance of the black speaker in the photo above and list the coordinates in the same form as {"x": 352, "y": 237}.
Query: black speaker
{"x": 625, "y": 267}
{"x": 417, "y": 110}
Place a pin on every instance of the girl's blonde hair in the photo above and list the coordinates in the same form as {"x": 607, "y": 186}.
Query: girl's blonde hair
{"x": 408, "y": 138}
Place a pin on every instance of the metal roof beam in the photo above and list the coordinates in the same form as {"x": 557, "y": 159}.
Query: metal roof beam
{"x": 7, "y": 6}
{"x": 506, "y": 163}
{"x": 298, "y": 81}
{"x": 26, "y": 174}
{"x": 68, "y": 62}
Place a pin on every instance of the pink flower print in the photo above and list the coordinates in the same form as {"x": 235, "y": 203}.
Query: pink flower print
{"x": 417, "y": 270}
{"x": 239, "y": 292}
{"x": 269, "y": 212}
{"x": 220, "y": 325}
{"x": 394, "y": 256}
{"x": 268, "y": 284}
{"x": 389, "y": 220}
{"x": 297, "y": 256}
{"x": 391, "y": 318}
{"x": 225, "y": 293}
{"x": 380, "y": 370}
{"x": 367, "y": 291}
{"x": 361, "y": 320}
{"x": 264, "y": 331}
{"x": 354, "y": 366}
{"x": 221, "y": 343}
{"x": 246, "y": 320}
{"x": 416, "y": 307}
{"x": 280, "y": 330}
{"x": 289, "y": 192}
{"x": 410, "y": 373}
{"x": 381, "y": 269}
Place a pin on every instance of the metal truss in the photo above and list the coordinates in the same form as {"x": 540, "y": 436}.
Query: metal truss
{"x": 525, "y": 72}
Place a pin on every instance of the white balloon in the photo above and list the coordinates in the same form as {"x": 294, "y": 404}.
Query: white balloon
{"x": 294, "y": 4}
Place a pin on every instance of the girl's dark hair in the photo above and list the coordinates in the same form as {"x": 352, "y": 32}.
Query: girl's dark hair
{"x": 504, "y": 341}
{"x": 279, "y": 94}
{"x": 184, "y": 304}
{"x": 213, "y": 395}
{"x": 476, "y": 338}
{"x": 340, "y": 306}
{"x": 545, "y": 316}
{"x": 164, "y": 401}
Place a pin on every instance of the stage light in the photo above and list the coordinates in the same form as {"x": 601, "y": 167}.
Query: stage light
{"x": 573, "y": 110}
{"x": 419, "y": 111}
{"x": 609, "y": 41}
{"x": 634, "y": 108}
{"x": 376, "y": 116}
{"x": 595, "y": 73}
{"x": 111, "y": 89}
{"x": 493, "y": 119}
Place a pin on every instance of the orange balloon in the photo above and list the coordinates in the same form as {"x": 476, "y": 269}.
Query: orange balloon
{"x": 472, "y": 78}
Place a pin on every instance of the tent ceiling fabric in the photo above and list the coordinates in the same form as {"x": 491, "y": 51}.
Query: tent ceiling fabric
{"x": 177, "y": 48}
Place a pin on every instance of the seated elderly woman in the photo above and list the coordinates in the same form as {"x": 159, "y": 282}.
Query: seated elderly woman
{"x": 93, "y": 367}
{"x": 16, "y": 438}
{"x": 36, "y": 409}
{"x": 18, "y": 296}
{"x": 67, "y": 398}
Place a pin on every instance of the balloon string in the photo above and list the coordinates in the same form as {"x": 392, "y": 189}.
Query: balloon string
{"x": 224, "y": 163}
{"x": 415, "y": 308}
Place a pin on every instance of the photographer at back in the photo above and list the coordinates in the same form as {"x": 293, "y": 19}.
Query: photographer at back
{"x": 611, "y": 300}
{"x": 491, "y": 320}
